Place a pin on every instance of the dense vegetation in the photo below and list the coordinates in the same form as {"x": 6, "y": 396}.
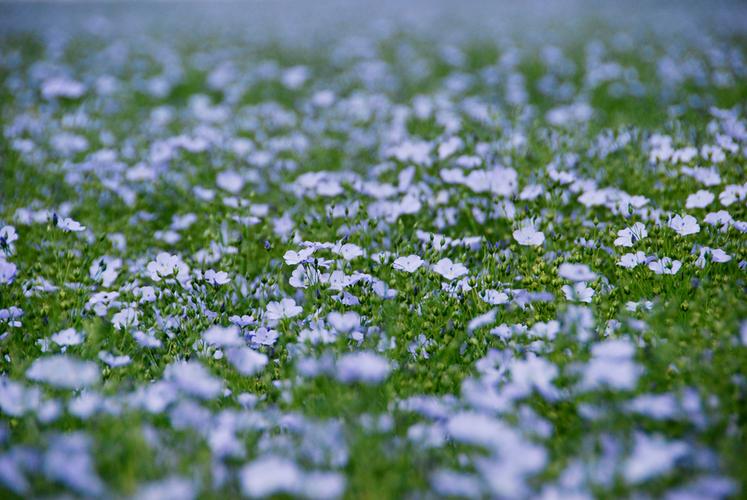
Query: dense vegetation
{"x": 390, "y": 264}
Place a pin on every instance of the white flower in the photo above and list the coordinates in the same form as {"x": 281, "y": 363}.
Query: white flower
{"x": 105, "y": 269}
{"x": 684, "y": 225}
{"x": 494, "y": 297}
{"x": 293, "y": 258}
{"x": 8, "y": 236}
{"x": 192, "y": 378}
{"x": 8, "y": 272}
{"x": 382, "y": 289}
{"x": 62, "y": 87}
{"x": 732, "y": 194}
{"x": 408, "y": 264}
{"x": 721, "y": 218}
{"x": 417, "y": 152}
{"x": 295, "y": 76}
{"x": 322, "y": 484}
{"x": 579, "y": 292}
{"x": 665, "y": 266}
{"x": 611, "y": 365}
{"x": 449, "y": 147}
{"x": 147, "y": 340}
{"x": 628, "y": 236}
{"x": 146, "y": 294}
{"x": 11, "y": 315}
{"x": 230, "y": 181}
{"x": 344, "y": 322}
{"x": 653, "y": 456}
{"x": 242, "y": 321}
{"x": 246, "y": 361}
{"x": 67, "y": 337}
{"x": 167, "y": 265}
{"x": 69, "y": 225}
{"x": 482, "y": 320}
{"x": 475, "y": 428}
{"x": 114, "y": 361}
{"x": 450, "y": 270}
{"x": 366, "y": 367}
{"x": 101, "y": 302}
{"x": 265, "y": 336}
{"x": 223, "y": 336}
{"x": 286, "y": 308}
{"x": 594, "y": 197}
{"x": 719, "y": 256}
{"x": 531, "y": 192}
{"x": 349, "y": 251}
{"x": 706, "y": 176}
{"x": 713, "y": 254}
{"x": 216, "y": 277}
{"x": 631, "y": 260}
{"x": 63, "y": 371}
{"x": 529, "y": 236}
{"x": 270, "y": 475}
{"x": 169, "y": 237}
{"x": 68, "y": 460}
{"x": 203, "y": 193}
{"x": 125, "y": 318}
{"x": 576, "y": 272}
{"x": 533, "y": 373}
{"x": 171, "y": 487}
{"x": 700, "y": 199}
{"x": 303, "y": 276}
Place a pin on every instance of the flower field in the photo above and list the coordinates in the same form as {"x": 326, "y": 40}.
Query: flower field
{"x": 369, "y": 251}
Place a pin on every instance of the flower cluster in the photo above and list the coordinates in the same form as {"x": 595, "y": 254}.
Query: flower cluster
{"x": 482, "y": 257}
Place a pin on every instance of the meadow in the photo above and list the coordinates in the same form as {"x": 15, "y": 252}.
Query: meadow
{"x": 401, "y": 258}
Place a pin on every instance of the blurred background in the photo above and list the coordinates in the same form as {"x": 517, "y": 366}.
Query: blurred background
{"x": 323, "y": 20}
